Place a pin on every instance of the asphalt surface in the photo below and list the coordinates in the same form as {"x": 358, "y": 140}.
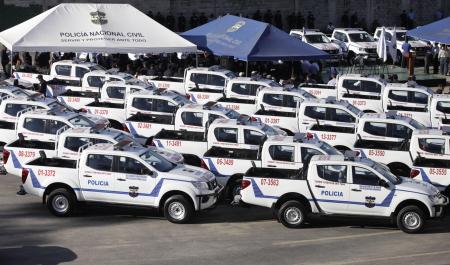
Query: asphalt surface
{"x": 227, "y": 235}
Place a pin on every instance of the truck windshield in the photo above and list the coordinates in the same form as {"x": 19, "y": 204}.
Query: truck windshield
{"x": 232, "y": 114}
{"x": 383, "y": 170}
{"x": 157, "y": 161}
{"x": 354, "y": 110}
{"x": 124, "y": 137}
{"x": 360, "y": 37}
{"x": 57, "y": 104}
{"x": 317, "y": 38}
{"x": 180, "y": 100}
{"x": 274, "y": 84}
{"x": 306, "y": 94}
{"x": 230, "y": 75}
{"x": 330, "y": 150}
{"x": 269, "y": 130}
{"x": 417, "y": 124}
{"x": 80, "y": 121}
{"x": 20, "y": 92}
{"x": 96, "y": 67}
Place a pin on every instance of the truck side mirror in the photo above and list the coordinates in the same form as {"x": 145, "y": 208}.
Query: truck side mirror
{"x": 383, "y": 183}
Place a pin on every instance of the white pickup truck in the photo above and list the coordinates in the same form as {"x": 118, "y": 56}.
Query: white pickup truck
{"x": 12, "y": 107}
{"x": 190, "y": 118}
{"x": 111, "y": 92}
{"x": 71, "y": 72}
{"x": 357, "y": 42}
{"x": 385, "y": 138}
{"x": 45, "y": 125}
{"x": 284, "y": 153}
{"x": 320, "y": 41}
{"x": 10, "y": 91}
{"x": 121, "y": 174}
{"x": 430, "y": 150}
{"x": 241, "y": 93}
{"x": 344, "y": 186}
{"x": 202, "y": 84}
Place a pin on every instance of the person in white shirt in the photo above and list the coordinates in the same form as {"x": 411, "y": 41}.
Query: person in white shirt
{"x": 332, "y": 81}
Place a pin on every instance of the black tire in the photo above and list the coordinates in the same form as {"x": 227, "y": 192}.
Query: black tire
{"x": 411, "y": 219}
{"x": 399, "y": 170}
{"x": 178, "y": 209}
{"x": 292, "y": 214}
{"x": 234, "y": 188}
{"x": 61, "y": 202}
{"x": 342, "y": 148}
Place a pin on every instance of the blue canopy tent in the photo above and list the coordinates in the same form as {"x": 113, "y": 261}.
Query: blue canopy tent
{"x": 250, "y": 40}
{"x": 438, "y": 31}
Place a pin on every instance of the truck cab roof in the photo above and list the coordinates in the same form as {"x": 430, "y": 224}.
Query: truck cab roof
{"x": 210, "y": 107}
{"x": 125, "y": 147}
{"x": 408, "y": 88}
{"x": 432, "y": 132}
{"x": 330, "y": 159}
{"x": 390, "y": 116}
{"x": 214, "y": 68}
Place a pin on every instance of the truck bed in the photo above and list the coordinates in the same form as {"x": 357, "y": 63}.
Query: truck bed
{"x": 53, "y": 162}
{"x": 366, "y": 144}
{"x": 32, "y": 145}
{"x": 181, "y": 135}
{"x": 168, "y": 79}
{"x": 275, "y": 173}
{"x": 152, "y": 118}
{"x": 80, "y": 94}
{"x": 236, "y": 100}
{"x": 275, "y": 113}
{"x": 106, "y": 105}
{"x": 233, "y": 153}
{"x": 7, "y": 125}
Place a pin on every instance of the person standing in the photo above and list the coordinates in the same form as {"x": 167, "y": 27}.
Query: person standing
{"x": 5, "y": 61}
{"x": 428, "y": 60}
{"x": 278, "y": 21}
{"x": 435, "y": 52}
{"x": 404, "y": 19}
{"x": 291, "y": 21}
{"x": 443, "y": 65}
{"x": 299, "y": 21}
{"x": 406, "y": 52}
{"x": 310, "y": 20}
{"x": 345, "y": 19}
{"x": 181, "y": 23}
{"x": 42, "y": 85}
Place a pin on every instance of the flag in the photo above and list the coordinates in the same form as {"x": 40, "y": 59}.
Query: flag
{"x": 393, "y": 46}
{"x": 381, "y": 46}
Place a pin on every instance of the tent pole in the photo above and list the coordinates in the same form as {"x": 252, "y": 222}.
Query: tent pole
{"x": 196, "y": 59}
{"x": 246, "y": 68}
{"x": 11, "y": 68}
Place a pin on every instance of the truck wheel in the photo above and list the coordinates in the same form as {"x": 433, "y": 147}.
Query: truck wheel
{"x": 234, "y": 188}
{"x": 292, "y": 214}
{"x": 61, "y": 202}
{"x": 411, "y": 219}
{"x": 177, "y": 209}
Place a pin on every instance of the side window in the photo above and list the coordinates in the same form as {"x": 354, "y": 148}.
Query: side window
{"x": 74, "y": 143}
{"x": 80, "y": 71}
{"x": 376, "y": 128}
{"x": 100, "y": 162}
{"x": 145, "y": 104}
{"x": 166, "y": 106}
{"x": 399, "y": 131}
{"x": 388, "y": 36}
{"x": 419, "y": 98}
{"x": 315, "y": 112}
{"x": 192, "y": 118}
{"x": 13, "y": 109}
{"x": 228, "y": 135}
{"x": 273, "y": 99}
{"x": 307, "y": 153}
{"x": 443, "y": 106}
{"x": 129, "y": 165}
{"x": 63, "y": 70}
{"x": 253, "y": 137}
{"x": 213, "y": 117}
{"x": 435, "y": 146}
{"x": 95, "y": 81}
{"x": 291, "y": 101}
{"x": 370, "y": 86}
{"x": 34, "y": 125}
{"x": 351, "y": 84}
{"x": 341, "y": 115}
{"x": 378, "y": 33}
{"x": 362, "y": 176}
{"x": 344, "y": 37}
{"x": 282, "y": 153}
{"x": 398, "y": 95}
{"x": 199, "y": 78}
{"x": 116, "y": 92}
{"x": 244, "y": 89}
{"x": 216, "y": 80}
{"x": 53, "y": 126}
{"x": 333, "y": 173}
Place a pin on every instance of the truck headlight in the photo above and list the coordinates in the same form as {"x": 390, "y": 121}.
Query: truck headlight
{"x": 200, "y": 185}
{"x": 361, "y": 49}
{"x": 436, "y": 197}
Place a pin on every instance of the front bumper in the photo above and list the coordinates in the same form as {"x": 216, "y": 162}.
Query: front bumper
{"x": 439, "y": 207}
{"x": 206, "y": 201}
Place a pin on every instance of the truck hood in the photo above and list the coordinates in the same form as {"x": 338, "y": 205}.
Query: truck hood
{"x": 326, "y": 46}
{"x": 99, "y": 120}
{"x": 190, "y": 173}
{"x": 365, "y": 45}
{"x": 416, "y": 186}
{"x": 413, "y": 43}
{"x": 170, "y": 155}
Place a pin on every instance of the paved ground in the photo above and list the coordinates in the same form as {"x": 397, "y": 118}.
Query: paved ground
{"x": 227, "y": 235}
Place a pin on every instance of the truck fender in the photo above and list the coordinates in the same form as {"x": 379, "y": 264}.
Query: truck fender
{"x": 178, "y": 189}
{"x": 423, "y": 206}
{"x": 291, "y": 196}
{"x": 57, "y": 185}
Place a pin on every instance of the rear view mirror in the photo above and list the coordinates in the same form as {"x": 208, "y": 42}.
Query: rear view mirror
{"x": 383, "y": 183}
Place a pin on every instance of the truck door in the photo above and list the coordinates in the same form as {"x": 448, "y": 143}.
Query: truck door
{"x": 330, "y": 187}
{"x": 97, "y": 180}
{"x": 94, "y": 83}
{"x": 366, "y": 195}
{"x": 413, "y": 104}
{"x": 115, "y": 94}
{"x": 134, "y": 181}
{"x": 72, "y": 145}
{"x": 191, "y": 121}
{"x": 440, "y": 114}
{"x": 283, "y": 157}
{"x": 364, "y": 94}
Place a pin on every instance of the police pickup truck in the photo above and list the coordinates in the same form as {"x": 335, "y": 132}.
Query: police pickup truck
{"x": 285, "y": 153}
{"x": 320, "y": 41}
{"x": 12, "y": 107}
{"x": 71, "y": 72}
{"x": 385, "y": 138}
{"x": 418, "y": 47}
{"x": 430, "y": 150}
{"x": 440, "y": 111}
{"x": 202, "y": 84}
{"x": 121, "y": 174}
{"x": 357, "y": 42}
{"x": 343, "y": 186}
{"x": 10, "y": 91}
{"x": 45, "y": 125}
{"x": 111, "y": 92}
{"x": 190, "y": 118}
{"x": 241, "y": 92}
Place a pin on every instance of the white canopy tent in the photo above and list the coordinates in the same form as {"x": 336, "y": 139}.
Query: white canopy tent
{"x": 99, "y": 28}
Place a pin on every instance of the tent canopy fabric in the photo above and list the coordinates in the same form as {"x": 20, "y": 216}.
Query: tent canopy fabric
{"x": 438, "y": 31}
{"x": 250, "y": 40}
{"x": 109, "y": 28}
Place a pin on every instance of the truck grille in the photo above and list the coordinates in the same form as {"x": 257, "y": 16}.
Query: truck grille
{"x": 212, "y": 184}
{"x": 332, "y": 51}
{"x": 371, "y": 50}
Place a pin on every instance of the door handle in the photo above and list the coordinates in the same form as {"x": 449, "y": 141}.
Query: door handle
{"x": 356, "y": 190}
{"x": 271, "y": 166}
{"x": 320, "y": 186}
{"x": 87, "y": 176}
{"x": 120, "y": 179}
